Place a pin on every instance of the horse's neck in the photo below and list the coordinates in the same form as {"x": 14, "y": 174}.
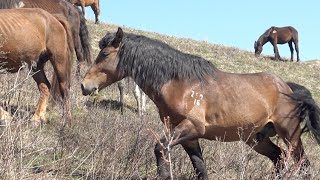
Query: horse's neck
{"x": 263, "y": 39}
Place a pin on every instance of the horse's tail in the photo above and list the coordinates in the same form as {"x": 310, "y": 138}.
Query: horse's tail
{"x": 307, "y": 108}
{"x": 56, "y": 92}
{"x": 85, "y": 38}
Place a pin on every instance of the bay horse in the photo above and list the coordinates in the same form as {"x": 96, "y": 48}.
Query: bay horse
{"x": 33, "y": 37}
{"x": 75, "y": 19}
{"x": 94, "y": 4}
{"x": 278, "y": 35}
{"x": 201, "y": 101}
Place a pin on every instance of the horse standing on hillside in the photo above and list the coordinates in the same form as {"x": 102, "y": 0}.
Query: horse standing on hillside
{"x": 200, "y": 101}
{"x": 94, "y": 4}
{"x": 32, "y": 37}
{"x": 278, "y": 35}
{"x": 76, "y": 22}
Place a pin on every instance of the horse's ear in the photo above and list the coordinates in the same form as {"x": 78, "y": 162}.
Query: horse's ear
{"x": 118, "y": 38}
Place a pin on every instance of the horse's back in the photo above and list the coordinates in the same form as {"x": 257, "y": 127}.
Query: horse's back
{"x": 25, "y": 34}
{"x": 85, "y": 2}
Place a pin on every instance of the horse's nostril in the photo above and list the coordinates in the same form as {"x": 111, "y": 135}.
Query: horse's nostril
{"x": 82, "y": 88}
{"x": 84, "y": 91}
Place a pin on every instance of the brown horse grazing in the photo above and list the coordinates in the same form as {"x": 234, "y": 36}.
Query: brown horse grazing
{"x": 278, "y": 35}
{"x": 33, "y": 36}
{"x": 204, "y": 102}
{"x": 75, "y": 19}
{"x": 94, "y": 4}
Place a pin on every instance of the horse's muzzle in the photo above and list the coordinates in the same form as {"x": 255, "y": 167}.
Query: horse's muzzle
{"x": 88, "y": 91}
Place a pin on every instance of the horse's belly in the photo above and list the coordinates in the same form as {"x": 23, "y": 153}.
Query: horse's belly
{"x": 10, "y": 66}
{"x": 12, "y": 60}
{"x": 228, "y": 134}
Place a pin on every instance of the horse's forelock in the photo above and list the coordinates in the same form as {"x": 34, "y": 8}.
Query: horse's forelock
{"x": 106, "y": 40}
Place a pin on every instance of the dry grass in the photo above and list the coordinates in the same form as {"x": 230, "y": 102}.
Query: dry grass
{"x": 103, "y": 144}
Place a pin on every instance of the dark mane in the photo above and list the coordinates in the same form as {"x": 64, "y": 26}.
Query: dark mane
{"x": 152, "y": 63}
{"x": 5, "y": 4}
{"x": 265, "y": 34}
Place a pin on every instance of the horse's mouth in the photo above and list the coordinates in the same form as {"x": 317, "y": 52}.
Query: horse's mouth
{"x": 91, "y": 92}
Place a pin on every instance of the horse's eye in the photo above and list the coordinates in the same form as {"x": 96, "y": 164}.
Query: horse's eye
{"x": 104, "y": 53}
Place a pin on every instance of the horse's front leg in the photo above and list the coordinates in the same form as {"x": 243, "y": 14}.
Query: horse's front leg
{"x": 291, "y": 49}
{"x": 194, "y": 151}
{"x": 274, "y": 43}
{"x": 186, "y": 133}
{"x": 44, "y": 88}
{"x": 276, "y": 52}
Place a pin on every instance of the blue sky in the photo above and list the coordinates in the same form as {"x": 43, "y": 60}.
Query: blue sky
{"x": 227, "y": 22}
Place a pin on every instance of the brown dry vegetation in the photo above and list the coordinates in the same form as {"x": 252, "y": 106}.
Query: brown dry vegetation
{"x": 103, "y": 144}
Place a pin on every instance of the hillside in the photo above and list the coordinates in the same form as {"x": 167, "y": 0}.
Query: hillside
{"x": 103, "y": 144}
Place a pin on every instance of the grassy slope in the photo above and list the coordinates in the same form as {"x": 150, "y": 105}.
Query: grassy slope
{"x": 103, "y": 144}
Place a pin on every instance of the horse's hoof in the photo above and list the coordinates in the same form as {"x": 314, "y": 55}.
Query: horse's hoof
{"x": 36, "y": 124}
{"x": 38, "y": 121}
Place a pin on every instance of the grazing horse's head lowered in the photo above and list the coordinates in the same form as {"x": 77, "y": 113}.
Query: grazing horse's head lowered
{"x": 204, "y": 102}
{"x": 257, "y": 48}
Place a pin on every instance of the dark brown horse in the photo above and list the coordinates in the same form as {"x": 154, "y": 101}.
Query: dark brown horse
{"x": 278, "y": 35}
{"x": 61, "y": 8}
{"x": 201, "y": 101}
{"x": 94, "y": 4}
{"x": 33, "y": 37}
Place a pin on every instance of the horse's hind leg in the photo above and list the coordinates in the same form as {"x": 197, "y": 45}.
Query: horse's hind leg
{"x": 44, "y": 88}
{"x": 291, "y": 49}
{"x": 61, "y": 68}
{"x": 291, "y": 136}
{"x": 194, "y": 151}
{"x": 96, "y": 10}
{"x": 79, "y": 51}
{"x": 267, "y": 148}
{"x": 297, "y": 48}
